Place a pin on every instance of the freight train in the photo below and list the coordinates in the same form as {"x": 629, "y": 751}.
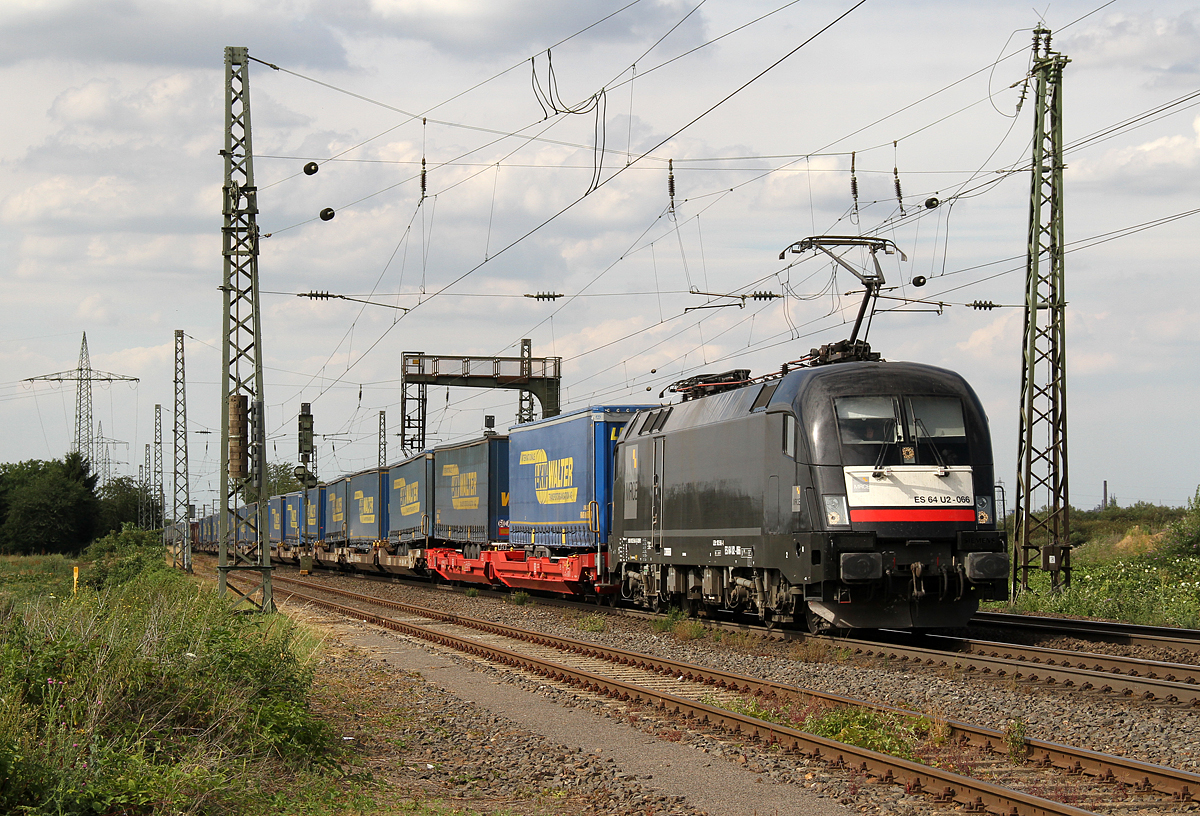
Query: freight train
{"x": 855, "y": 494}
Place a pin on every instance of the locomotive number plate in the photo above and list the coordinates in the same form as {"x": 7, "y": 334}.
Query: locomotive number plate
{"x": 910, "y": 486}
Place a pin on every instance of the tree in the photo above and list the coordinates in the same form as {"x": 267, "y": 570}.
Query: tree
{"x": 48, "y": 506}
{"x": 120, "y": 499}
{"x": 280, "y": 480}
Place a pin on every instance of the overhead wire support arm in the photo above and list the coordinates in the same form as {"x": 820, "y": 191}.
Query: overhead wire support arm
{"x": 331, "y": 296}
{"x": 736, "y": 300}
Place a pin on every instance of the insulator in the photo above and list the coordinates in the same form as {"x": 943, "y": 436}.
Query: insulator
{"x": 671, "y": 181}
{"x": 853, "y": 180}
{"x": 764, "y": 295}
{"x": 899, "y": 194}
{"x": 311, "y": 168}
{"x": 422, "y": 177}
{"x": 984, "y": 305}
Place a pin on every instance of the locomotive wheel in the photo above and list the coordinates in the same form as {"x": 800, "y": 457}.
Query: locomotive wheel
{"x": 815, "y": 623}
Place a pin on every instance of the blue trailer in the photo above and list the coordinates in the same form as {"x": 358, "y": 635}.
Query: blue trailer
{"x": 275, "y": 520}
{"x": 292, "y": 508}
{"x": 470, "y": 497}
{"x": 314, "y": 516}
{"x": 561, "y": 479}
{"x": 247, "y": 518}
{"x": 410, "y": 509}
{"x": 366, "y": 515}
{"x": 336, "y": 507}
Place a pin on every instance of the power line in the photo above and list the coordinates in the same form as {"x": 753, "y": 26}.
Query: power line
{"x": 616, "y": 173}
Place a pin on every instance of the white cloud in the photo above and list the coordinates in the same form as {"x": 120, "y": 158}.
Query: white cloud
{"x": 1167, "y": 46}
{"x": 1162, "y": 165}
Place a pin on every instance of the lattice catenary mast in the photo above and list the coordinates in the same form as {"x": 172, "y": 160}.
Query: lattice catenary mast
{"x": 182, "y": 513}
{"x": 159, "y": 494}
{"x": 1042, "y": 442}
{"x": 242, "y": 465}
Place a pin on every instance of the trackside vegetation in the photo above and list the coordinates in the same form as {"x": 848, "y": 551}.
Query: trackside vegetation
{"x": 143, "y": 694}
{"x": 1139, "y": 565}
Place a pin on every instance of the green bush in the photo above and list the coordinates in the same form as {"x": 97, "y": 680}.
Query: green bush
{"x": 149, "y": 696}
{"x": 1183, "y": 536}
{"x": 123, "y": 556}
{"x": 1160, "y": 589}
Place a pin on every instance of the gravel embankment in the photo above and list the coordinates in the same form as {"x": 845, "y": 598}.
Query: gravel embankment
{"x": 1156, "y": 733}
{"x": 419, "y": 743}
{"x": 602, "y": 758}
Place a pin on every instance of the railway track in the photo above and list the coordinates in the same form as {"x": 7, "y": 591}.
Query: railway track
{"x": 1125, "y": 634}
{"x": 699, "y": 695}
{"x": 1171, "y": 683}
{"x": 1163, "y": 682}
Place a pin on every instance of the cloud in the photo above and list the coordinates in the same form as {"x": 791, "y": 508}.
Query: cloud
{"x": 1167, "y": 47}
{"x": 174, "y": 32}
{"x": 482, "y": 28}
{"x": 1167, "y": 164}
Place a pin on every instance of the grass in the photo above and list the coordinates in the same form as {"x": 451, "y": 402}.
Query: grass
{"x": 592, "y": 622}
{"x": 1147, "y": 572}
{"x": 143, "y": 694}
{"x": 1155, "y": 588}
{"x": 876, "y": 731}
{"x": 667, "y": 622}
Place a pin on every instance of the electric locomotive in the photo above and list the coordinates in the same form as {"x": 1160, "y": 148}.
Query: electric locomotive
{"x": 854, "y": 494}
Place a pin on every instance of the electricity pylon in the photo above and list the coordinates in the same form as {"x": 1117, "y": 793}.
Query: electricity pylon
{"x": 241, "y": 344}
{"x": 84, "y": 375}
{"x": 1042, "y": 441}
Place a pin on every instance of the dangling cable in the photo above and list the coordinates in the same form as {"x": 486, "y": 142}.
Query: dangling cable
{"x": 496, "y": 183}
{"x": 629, "y": 128}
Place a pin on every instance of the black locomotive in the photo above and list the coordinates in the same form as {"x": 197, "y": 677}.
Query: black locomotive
{"x": 855, "y": 494}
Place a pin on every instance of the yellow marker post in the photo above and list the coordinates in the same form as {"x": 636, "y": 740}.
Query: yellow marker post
{"x": 75, "y": 586}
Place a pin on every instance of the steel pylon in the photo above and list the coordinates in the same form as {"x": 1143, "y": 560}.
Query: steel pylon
{"x": 1042, "y": 503}
{"x": 84, "y": 375}
{"x": 181, "y": 515}
{"x": 241, "y": 346}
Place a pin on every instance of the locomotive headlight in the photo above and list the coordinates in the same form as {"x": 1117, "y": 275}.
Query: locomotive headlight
{"x": 836, "y": 513}
{"x": 984, "y": 510}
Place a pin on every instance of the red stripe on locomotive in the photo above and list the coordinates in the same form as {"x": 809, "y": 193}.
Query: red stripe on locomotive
{"x": 913, "y": 514}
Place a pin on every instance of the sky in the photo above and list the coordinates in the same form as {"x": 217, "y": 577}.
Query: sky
{"x": 770, "y": 112}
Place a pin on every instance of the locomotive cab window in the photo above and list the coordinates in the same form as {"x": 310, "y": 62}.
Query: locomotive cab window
{"x": 935, "y": 418}
{"x": 937, "y": 429}
{"x": 870, "y": 420}
{"x": 789, "y": 435}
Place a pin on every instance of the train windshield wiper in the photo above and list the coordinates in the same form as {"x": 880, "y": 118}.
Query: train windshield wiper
{"x": 918, "y": 427}
{"x": 889, "y": 433}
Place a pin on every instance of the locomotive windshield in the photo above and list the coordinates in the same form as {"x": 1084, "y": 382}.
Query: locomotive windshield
{"x": 868, "y": 420}
{"x": 935, "y": 418}
{"x": 888, "y": 430}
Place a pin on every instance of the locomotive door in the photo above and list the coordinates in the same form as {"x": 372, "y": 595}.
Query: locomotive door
{"x": 656, "y": 493}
